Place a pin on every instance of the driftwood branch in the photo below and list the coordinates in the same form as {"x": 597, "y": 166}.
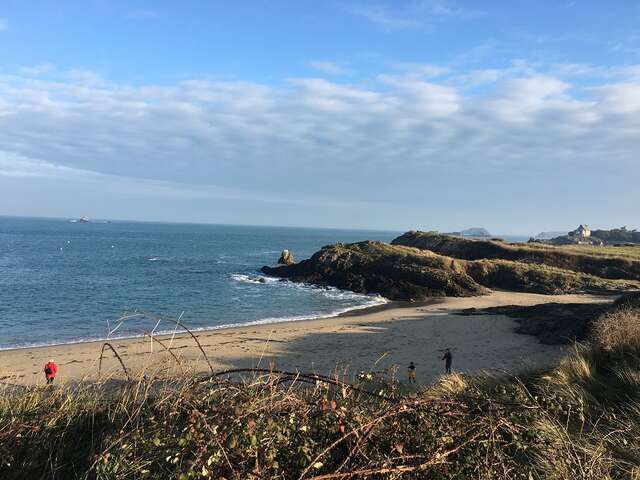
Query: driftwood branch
{"x": 107, "y": 344}
{"x": 169, "y": 320}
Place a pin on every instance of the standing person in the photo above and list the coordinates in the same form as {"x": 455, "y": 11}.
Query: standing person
{"x": 411, "y": 373}
{"x": 447, "y": 357}
{"x": 50, "y": 371}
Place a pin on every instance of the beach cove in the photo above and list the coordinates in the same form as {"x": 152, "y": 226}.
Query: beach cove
{"x": 380, "y": 339}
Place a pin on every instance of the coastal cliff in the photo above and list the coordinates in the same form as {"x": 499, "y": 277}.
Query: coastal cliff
{"x": 401, "y": 272}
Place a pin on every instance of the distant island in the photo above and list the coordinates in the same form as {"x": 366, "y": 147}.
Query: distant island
{"x": 549, "y": 235}
{"x": 472, "y": 232}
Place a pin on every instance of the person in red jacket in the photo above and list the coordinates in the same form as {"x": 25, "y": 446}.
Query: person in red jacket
{"x": 50, "y": 371}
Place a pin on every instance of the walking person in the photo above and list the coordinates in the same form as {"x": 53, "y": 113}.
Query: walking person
{"x": 447, "y": 357}
{"x": 411, "y": 373}
{"x": 50, "y": 371}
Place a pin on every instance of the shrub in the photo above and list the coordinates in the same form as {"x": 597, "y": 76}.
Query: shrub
{"x": 618, "y": 330}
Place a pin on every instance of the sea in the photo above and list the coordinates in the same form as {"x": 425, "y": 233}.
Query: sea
{"x": 65, "y": 281}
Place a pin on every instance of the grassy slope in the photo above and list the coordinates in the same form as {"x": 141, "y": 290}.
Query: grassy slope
{"x": 576, "y": 258}
{"x": 605, "y": 251}
{"x": 580, "y": 420}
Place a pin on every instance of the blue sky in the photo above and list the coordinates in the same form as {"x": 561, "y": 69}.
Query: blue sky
{"x": 518, "y": 116}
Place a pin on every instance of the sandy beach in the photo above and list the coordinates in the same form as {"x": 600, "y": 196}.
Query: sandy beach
{"x": 380, "y": 339}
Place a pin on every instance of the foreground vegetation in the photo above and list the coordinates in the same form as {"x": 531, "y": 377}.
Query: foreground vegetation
{"x": 580, "y": 420}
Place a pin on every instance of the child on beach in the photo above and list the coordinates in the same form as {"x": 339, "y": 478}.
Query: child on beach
{"x": 447, "y": 357}
{"x": 411, "y": 373}
{"x": 50, "y": 371}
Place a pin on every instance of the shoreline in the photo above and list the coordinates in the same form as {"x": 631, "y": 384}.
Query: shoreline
{"x": 352, "y": 312}
{"x": 381, "y": 337}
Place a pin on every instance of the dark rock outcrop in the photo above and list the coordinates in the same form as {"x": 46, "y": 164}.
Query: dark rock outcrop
{"x": 463, "y": 248}
{"x": 551, "y": 323}
{"x": 397, "y": 273}
{"x": 559, "y": 323}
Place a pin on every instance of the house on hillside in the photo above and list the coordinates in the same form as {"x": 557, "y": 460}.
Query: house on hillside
{"x": 582, "y": 232}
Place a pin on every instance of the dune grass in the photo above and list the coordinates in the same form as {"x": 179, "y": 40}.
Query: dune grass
{"x": 579, "y": 420}
{"x": 606, "y": 262}
{"x": 632, "y": 251}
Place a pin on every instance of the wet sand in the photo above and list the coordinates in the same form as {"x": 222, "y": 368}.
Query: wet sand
{"x": 380, "y": 339}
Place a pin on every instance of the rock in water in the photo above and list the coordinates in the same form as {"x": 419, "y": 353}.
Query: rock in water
{"x": 286, "y": 258}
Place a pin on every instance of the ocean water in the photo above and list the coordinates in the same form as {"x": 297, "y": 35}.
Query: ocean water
{"x": 62, "y": 282}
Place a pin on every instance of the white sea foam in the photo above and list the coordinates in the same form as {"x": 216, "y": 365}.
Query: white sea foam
{"x": 329, "y": 292}
{"x": 256, "y": 279}
{"x": 368, "y": 301}
{"x": 159, "y": 259}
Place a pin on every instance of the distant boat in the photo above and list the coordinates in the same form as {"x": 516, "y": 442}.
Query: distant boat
{"x": 84, "y": 219}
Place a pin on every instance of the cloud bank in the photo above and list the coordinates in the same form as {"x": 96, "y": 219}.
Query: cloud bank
{"x": 413, "y": 134}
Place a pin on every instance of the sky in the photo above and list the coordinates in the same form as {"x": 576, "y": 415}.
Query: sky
{"x": 519, "y": 116}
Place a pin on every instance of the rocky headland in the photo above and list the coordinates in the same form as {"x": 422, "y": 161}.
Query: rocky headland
{"x": 420, "y": 265}
{"x": 398, "y": 273}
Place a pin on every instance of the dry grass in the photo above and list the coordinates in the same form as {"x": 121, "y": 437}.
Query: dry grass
{"x": 618, "y": 330}
{"x": 632, "y": 252}
{"x": 580, "y": 420}
{"x": 605, "y": 262}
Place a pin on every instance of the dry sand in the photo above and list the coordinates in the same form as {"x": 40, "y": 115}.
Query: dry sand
{"x": 373, "y": 340}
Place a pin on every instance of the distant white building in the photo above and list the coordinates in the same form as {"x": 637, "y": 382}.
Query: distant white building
{"x": 581, "y": 232}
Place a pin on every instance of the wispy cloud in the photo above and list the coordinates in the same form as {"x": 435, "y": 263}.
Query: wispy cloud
{"x": 329, "y": 68}
{"x": 4, "y": 25}
{"x": 36, "y": 70}
{"x": 143, "y": 15}
{"x": 385, "y": 18}
{"x": 630, "y": 45}
{"x": 19, "y": 167}
{"x": 83, "y": 76}
{"x": 421, "y": 70}
{"x": 413, "y": 14}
